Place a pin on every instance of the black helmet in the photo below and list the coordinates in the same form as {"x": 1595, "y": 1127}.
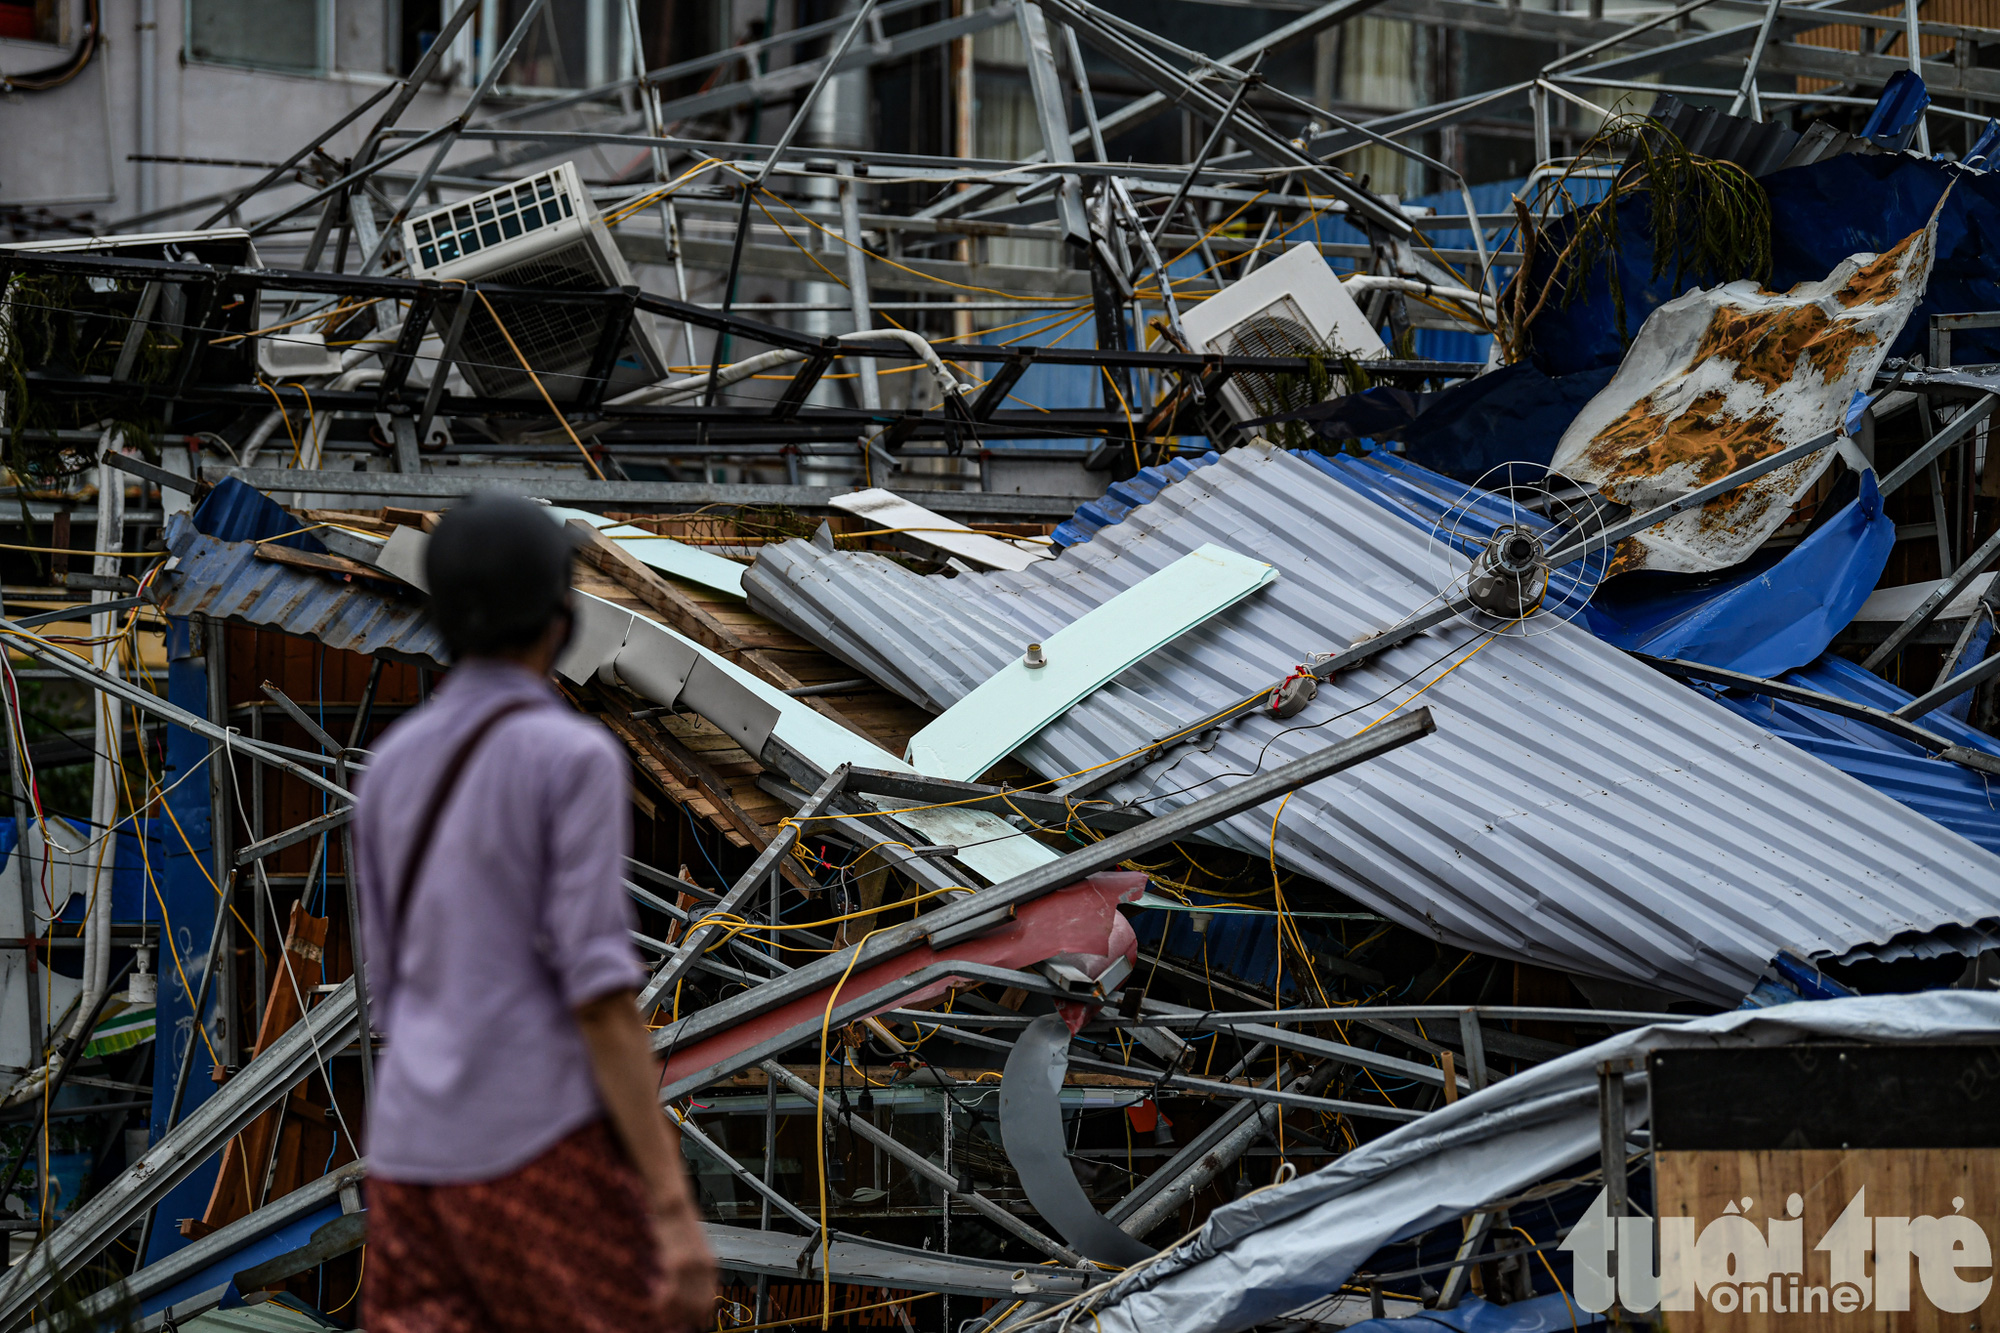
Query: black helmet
{"x": 499, "y": 570}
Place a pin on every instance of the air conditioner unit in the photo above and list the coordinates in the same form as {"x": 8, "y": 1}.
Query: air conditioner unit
{"x": 1292, "y": 306}
{"x": 543, "y": 231}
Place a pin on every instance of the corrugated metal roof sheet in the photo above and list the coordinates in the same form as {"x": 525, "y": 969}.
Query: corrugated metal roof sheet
{"x": 1575, "y": 809}
{"x": 228, "y": 581}
{"x": 1961, "y": 799}
{"x": 1122, "y": 497}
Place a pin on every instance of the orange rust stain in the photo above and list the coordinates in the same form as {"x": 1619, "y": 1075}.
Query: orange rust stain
{"x": 1765, "y": 349}
{"x": 1878, "y": 280}
{"x": 1639, "y": 445}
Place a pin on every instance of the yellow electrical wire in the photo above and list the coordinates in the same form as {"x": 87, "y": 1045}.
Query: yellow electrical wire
{"x": 336, "y": 312}
{"x": 1003, "y": 536}
{"x": 1543, "y": 1256}
{"x": 808, "y": 1318}
{"x": 632, "y": 206}
{"x": 289, "y": 432}
{"x": 568, "y": 430}
{"x": 153, "y": 883}
{"x": 70, "y": 550}
{"x": 1251, "y": 702}
{"x": 312, "y": 424}
{"x": 819, "y": 1134}
{"x": 360, "y": 1270}
{"x": 883, "y": 259}
{"x": 1130, "y": 430}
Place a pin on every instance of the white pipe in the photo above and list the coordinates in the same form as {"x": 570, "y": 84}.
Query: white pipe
{"x": 323, "y": 424}
{"x": 148, "y": 107}
{"x": 377, "y": 343}
{"x": 257, "y": 437}
{"x": 1377, "y": 282}
{"x": 109, "y": 737}
{"x": 742, "y": 370}
{"x": 107, "y": 730}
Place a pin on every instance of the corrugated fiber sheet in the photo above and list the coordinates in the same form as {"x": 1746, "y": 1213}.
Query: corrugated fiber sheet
{"x": 1575, "y": 809}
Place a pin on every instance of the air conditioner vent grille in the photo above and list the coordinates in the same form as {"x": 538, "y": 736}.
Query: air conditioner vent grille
{"x": 559, "y": 340}
{"x": 1280, "y": 329}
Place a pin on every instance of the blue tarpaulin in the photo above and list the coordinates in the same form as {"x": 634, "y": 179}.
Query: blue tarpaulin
{"x": 1820, "y": 214}
{"x": 1893, "y": 122}
{"x": 1964, "y": 800}
{"x": 1515, "y": 414}
{"x": 130, "y": 900}
{"x": 1764, "y": 621}
{"x": 1777, "y": 611}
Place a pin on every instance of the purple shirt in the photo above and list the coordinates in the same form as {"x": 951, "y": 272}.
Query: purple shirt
{"x": 519, "y": 916}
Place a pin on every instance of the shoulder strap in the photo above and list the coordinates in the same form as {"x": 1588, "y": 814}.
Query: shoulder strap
{"x": 420, "y": 845}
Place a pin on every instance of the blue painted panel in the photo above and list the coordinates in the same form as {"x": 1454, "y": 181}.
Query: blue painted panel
{"x": 190, "y": 907}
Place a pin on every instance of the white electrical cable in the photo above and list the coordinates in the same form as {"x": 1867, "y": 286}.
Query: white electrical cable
{"x": 674, "y": 390}
{"x": 107, "y": 737}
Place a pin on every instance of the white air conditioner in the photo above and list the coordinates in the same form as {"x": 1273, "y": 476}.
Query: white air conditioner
{"x": 1292, "y": 306}
{"x": 543, "y": 231}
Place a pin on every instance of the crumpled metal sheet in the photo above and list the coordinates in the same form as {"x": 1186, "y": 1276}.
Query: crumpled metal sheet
{"x": 1575, "y": 809}
{"x": 226, "y": 580}
{"x": 1720, "y": 378}
{"x": 1283, "y": 1247}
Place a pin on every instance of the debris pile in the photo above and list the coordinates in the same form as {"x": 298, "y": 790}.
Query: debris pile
{"x": 1221, "y": 826}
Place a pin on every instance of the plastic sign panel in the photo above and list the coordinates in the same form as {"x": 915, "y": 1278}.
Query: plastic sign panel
{"x": 1810, "y": 1188}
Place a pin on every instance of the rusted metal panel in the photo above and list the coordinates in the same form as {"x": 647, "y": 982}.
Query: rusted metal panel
{"x": 1720, "y": 378}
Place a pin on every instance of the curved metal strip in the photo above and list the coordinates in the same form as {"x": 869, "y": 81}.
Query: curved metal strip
{"x": 1031, "y": 1130}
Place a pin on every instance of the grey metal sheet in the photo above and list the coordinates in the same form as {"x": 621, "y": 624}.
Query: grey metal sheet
{"x": 228, "y": 581}
{"x": 1575, "y": 809}
{"x": 878, "y": 1263}
{"x": 1280, "y": 1248}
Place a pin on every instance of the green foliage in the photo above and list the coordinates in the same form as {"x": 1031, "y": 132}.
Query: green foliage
{"x": 1288, "y": 391}
{"x": 1710, "y": 221}
{"x": 68, "y": 325}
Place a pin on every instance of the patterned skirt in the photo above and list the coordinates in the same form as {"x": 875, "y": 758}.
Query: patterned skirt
{"x": 564, "y": 1242}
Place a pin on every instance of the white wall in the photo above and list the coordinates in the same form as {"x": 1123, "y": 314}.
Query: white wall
{"x": 68, "y": 148}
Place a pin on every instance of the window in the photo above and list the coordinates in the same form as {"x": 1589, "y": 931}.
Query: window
{"x": 263, "y": 34}
{"x": 31, "y": 20}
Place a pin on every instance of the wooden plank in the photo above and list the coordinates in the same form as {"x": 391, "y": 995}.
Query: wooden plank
{"x": 1908, "y": 1206}
{"x": 246, "y": 1160}
{"x": 339, "y": 566}
{"x": 690, "y": 769}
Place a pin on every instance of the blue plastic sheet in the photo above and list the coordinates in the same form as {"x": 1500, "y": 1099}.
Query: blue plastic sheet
{"x": 130, "y": 900}
{"x": 234, "y": 512}
{"x": 1122, "y": 497}
{"x": 1779, "y": 611}
{"x": 1983, "y": 148}
{"x": 1894, "y": 120}
{"x": 1975, "y": 653}
{"x": 1820, "y": 214}
{"x": 1543, "y": 1314}
{"x": 1964, "y": 800}
{"x": 1514, "y": 414}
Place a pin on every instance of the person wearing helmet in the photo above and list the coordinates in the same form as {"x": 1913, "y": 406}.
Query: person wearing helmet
{"x": 521, "y": 1172}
